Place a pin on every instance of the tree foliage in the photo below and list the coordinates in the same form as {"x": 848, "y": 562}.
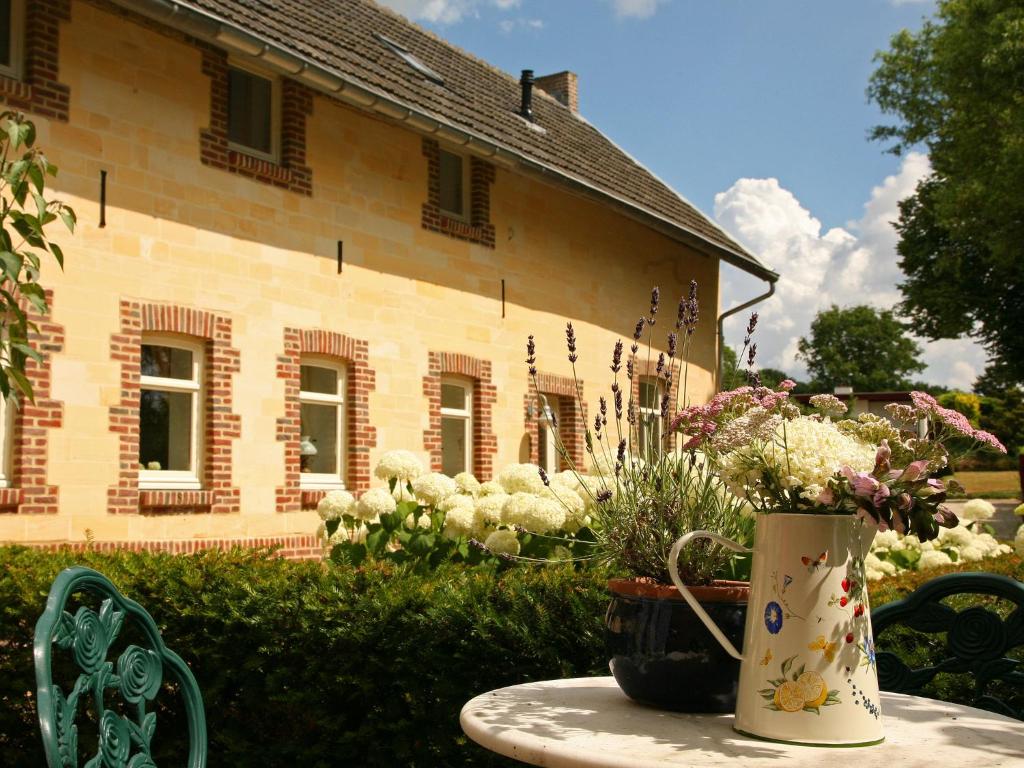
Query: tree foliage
{"x": 25, "y": 213}
{"x": 955, "y": 87}
{"x": 861, "y": 347}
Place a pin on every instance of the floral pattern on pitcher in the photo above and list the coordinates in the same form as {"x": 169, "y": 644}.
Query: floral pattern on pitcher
{"x": 798, "y": 690}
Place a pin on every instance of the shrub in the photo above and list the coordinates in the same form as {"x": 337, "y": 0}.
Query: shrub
{"x": 304, "y": 664}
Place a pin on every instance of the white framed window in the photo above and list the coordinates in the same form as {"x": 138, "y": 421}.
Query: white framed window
{"x": 7, "y": 410}
{"x": 322, "y": 417}
{"x": 649, "y": 416}
{"x": 12, "y": 37}
{"x": 254, "y": 112}
{"x": 456, "y": 425}
{"x": 454, "y": 183}
{"x": 547, "y": 434}
{"x": 171, "y": 411}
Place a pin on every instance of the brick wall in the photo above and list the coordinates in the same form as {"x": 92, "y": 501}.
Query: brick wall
{"x": 361, "y": 436}
{"x": 291, "y": 172}
{"x": 485, "y": 443}
{"x": 571, "y": 418}
{"x": 220, "y": 425}
{"x": 294, "y": 547}
{"x": 481, "y": 175}
{"x": 29, "y": 492}
{"x": 39, "y": 91}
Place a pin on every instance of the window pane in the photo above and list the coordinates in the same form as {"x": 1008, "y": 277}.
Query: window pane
{"x": 313, "y": 378}
{"x": 320, "y": 432}
{"x": 6, "y": 31}
{"x": 453, "y": 445}
{"x": 249, "y": 110}
{"x": 166, "y": 362}
{"x": 453, "y": 396}
{"x": 451, "y": 183}
{"x": 649, "y": 395}
{"x": 165, "y": 426}
{"x": 650, "y": 435}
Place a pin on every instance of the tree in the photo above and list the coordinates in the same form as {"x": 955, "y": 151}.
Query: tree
{"x": 861, "y": 347}
{"x": 1003, "y": 416}
{"x": 24, "y": 215}
{"x": 955, "y": 87}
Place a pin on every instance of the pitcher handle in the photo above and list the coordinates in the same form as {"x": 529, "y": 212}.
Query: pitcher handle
{"x": 673, "y": 569}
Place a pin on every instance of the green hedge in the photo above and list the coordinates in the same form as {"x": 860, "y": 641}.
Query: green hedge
{"x": 303, "y": 665}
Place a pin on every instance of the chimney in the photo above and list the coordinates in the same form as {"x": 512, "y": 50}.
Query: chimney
{"x": 562, "y": 86}
{"x": 526, "y": 106}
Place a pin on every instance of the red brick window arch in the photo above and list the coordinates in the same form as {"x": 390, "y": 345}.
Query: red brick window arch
{"x": 560, "y": 394}
{"x": 28, "y": 75}
{"x": 25, "y": 427}
{"x": 326, "y": 426}
{"x": 446, "y": 373}
{"x": 149, "y": 330}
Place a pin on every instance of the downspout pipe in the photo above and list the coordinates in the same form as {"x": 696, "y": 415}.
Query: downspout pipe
{"x": 721, "y": 327}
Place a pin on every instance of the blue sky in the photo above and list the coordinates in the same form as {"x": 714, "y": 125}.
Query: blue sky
{"x": 754, "y": 110}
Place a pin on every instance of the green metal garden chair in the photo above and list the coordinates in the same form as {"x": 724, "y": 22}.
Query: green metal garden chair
{"x": 977, "y": 640}
{"x": 135, "y": 678}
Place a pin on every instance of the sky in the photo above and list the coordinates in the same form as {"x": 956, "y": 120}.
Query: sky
{"x": 753, "y": 110}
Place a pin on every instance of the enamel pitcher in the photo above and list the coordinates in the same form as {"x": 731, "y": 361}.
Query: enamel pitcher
{"x": 807, "y": 673}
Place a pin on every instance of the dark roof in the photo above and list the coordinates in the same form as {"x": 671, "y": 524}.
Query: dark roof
{"x": 340, "y": 36}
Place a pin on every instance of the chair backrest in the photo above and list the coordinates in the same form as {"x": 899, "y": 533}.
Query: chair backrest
{"x": 136, "y": 677}
{"x": 977, "y": 639}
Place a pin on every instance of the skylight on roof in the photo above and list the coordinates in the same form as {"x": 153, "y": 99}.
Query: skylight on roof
{"x": 411, "y": 60}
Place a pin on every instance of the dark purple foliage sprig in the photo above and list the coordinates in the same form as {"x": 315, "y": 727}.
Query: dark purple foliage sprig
{"x": 570, "y": 340}
{"x": 616, "y": 365}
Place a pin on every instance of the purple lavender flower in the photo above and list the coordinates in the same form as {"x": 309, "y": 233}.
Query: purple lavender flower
{"x": 620, "y": 454}
{"x": 617, "y": 357}
{"x": 666, "y": 401}
{"x": 631, "y": 412}
{"x": 531, "y": 355}
{"x": 661, "y": 363}
{"x": 618, "y": 401}
{"x": 672, "y": 340}
{"x": 603, "y": 496}
{"x": 570, "y": 340}
{"x": 655, "y": 298}
{"x": 682, "y": 313}
{"x": 638, "y": 331}
{"x": 751, "y": 355}
{"x": 629, "y": 369}
{"x": 603, "y": 408}
{"x": 543, "y": 476}
{"x": 597, "y": 425}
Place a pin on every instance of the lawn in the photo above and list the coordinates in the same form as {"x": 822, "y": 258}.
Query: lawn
{"x": 1003, "y": 484}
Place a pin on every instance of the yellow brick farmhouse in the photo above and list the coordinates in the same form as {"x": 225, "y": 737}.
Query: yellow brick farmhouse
{"x": 310, "y": 232}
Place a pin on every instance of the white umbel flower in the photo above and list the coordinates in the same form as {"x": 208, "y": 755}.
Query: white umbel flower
{"x": 487, "y": 512}
{"x": 534, "y": 513}
{"x": 459, "y": 520}
{"x": 374, "y": 503}
{"x": 402, "y": 465}
{"x": 491, "y": 488}
{"x": 976, "y": 509}
{"x": 335, "y": 504}
{"x": 433, "y": 488}
{"x": 935, "y": 558}
{"x": 467, "y": 484}
{"x": 521, "y": 478}
{"x": 503, "y": 542}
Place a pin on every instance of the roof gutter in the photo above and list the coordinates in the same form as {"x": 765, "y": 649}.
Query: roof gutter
{"x": 721, "y": 327}
{"x": 212, "y": 29}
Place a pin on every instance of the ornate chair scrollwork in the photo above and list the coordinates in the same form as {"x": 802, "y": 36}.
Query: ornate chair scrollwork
{"x": 978, "y": 641}
{"x": 135, "y": 677}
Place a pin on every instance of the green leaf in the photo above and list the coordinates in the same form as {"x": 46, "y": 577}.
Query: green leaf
{"x": 35, "y": 175}
{"x": 69, "y": 218}
{"x": 376, "y": 541}
{"x": 787, "y": 665}
{"x": 13, "y": 134}
{"x": 332, "y": 526}
{"x": 12, "y": 264}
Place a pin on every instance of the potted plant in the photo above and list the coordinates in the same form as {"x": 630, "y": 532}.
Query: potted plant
{"x": 646, "y": 487}
{"x": 821, "y": 488}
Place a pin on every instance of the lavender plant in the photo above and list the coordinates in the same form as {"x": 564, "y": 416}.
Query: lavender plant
{"x": 645, "y": 489}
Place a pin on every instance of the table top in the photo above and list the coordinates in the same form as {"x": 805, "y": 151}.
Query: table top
{"x": 590, "y": 722}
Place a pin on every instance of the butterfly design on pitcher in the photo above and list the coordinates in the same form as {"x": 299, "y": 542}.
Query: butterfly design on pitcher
{"x": 827, "y": 648}
{"x": 814, "y": 563}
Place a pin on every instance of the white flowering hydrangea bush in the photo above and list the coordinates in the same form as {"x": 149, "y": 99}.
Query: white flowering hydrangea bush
{"x": 427, "y": 518}
{"x": 892, "y": 554}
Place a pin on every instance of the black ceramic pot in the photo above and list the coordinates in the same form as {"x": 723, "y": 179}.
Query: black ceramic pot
{"x": 661, "y": 653}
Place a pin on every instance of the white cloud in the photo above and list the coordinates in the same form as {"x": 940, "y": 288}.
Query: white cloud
{"x": 510, "y": 25}
{"x": 855, "y": 264}
{"x": 445, "y": 11}
{"x": 637, "y": 9}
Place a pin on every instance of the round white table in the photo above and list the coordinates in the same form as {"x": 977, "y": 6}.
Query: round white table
{"x": 589, "y": 722}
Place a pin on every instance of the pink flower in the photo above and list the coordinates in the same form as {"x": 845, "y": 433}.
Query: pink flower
{"x": 923, "y": 401}
{"x": 914, "y": 470}
{"x": 787, "y": 384}
{"x": 827, "y": 497}
{"x": 880, "y": 495}
{"x": 990, "y": 440}
{"x": 861, "y": 483}
{"x": 882, "y": 457}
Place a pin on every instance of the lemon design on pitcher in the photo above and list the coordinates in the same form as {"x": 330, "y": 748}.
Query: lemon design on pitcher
{"x": 798, "y": 690}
